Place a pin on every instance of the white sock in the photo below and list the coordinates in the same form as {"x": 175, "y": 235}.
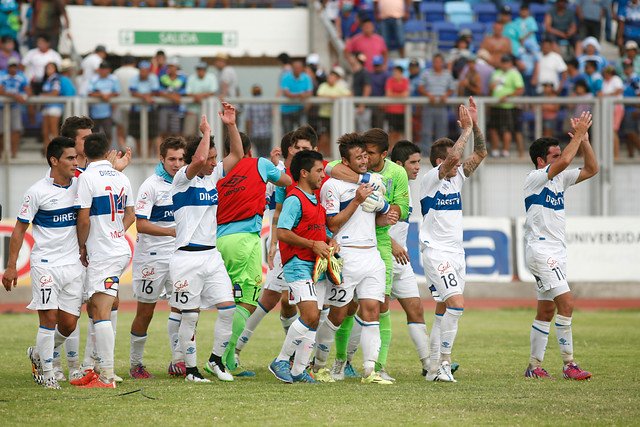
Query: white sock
{"x": 58, "y": 342}
{"x": 223, "y": 329}
{"x": 114, "y": 321}
{"x": 325, "y": 336}
{"x": 252, "y": 323}
{"x": 448, "y": 332}
{"x": 354, "y": 338}
{"x": 187, "y": 338}
{"x": 44, "y": 348}
{"x": 565, "y": 338}
{"x": 418, "y": 333}
{"x": 434, "y": 342}
{"x": 105, "y": 344}
{"x": 370, "y": 342}
{"x": 324, "y": 313}
{"x": 173, "y": 325}
{"x": 292, "y": 341}
{"x": 303, "y": 352}
{"x": 539, "y": 337}
{"x": 72, "y": 347}
{"x": 89, "y": 348}
{"x": 137, "y": 349}
{"x": 287, "y": 322}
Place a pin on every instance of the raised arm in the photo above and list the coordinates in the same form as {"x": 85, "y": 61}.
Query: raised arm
{"x": 479, "y": 146}
{"x": 590, "y": 167}
{"x": 199, "y": 158}
{"x": 228, "y": 116}
{"x": 455, "y": 154}
{"x": 580, "y": 127}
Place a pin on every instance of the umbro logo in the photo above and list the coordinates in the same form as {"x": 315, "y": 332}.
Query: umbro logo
{"x": 234, "y": 181}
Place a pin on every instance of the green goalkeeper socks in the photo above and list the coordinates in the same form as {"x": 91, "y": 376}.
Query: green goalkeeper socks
{"x": 385, "y": 339}
{"x": 239, "y": 321}
{"x": 342, "y": 337}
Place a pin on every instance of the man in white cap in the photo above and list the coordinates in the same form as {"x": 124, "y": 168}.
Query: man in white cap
{"x": 631, "y": 54}
{"x": 200, "y": 86}
{"x": 227, "y": 76}
{"x": 89, "y": 67}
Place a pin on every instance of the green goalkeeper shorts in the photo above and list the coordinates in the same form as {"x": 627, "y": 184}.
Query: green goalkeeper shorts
{"x": 384, "y": 247}
{"x": 242, "y": 255}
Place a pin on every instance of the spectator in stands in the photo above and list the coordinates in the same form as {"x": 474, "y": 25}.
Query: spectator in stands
{"x": 629, "y": 128}
{"x": 200, "y": 86}
{"x": 414, "y": 76}
{"x": 258, "y": 119}
{"x": 361, "y": 87}
{"x": 297, "y": 86}
{"x": 392, "y": 14}
{"x": 549, "y": 110}
{"x": 46, "y": 18}
{"x": 89, "y": 66}
{"x": 347, "y": 20}
{"x": 467, "y": 35}
{"x": 581, "y": 91}
{"x": 397, "y": 86}
{"x": 317, "y": 76}
{"x": 560, "y": 22}
{"x": 378, "y": 81}
{"x": 470, "y": 82}
{"x": 573, "y": 76}
{"x": 159, "y": 63}
{"x": 104, "y": 87}
{"x": 526, "y": 63}
{"x": 227, "y": 77}
{"x": 496, "y": 44}
{"x": 628, "y": 22}
{"x": 484, "y": 69}
{"x": 7, "y": 52}
{"x": 506, "y": 82}
{"x": 173, "y": 86}
{"x": 67, "y": 88}
{"x": 285, "y": 64}
{"x": 612, "y": 86}
{"x": 367, "y": 42}
{"x": 510, "y": 29}
{"x": 51, "y": 113}
{"x": 457, "y": 57}
{"x": 527, "y": 27}
{"x": 10, "y": 22}
{"x": 36, "y": 60}
{"x": 630, "y": 53}
{"x": 590, "y": 14}
{"x": 591, "y": 49}
{"x": 593, "y": 77}
{"x": 124, "y": 74}
{"x": 333, "y": 88}
{"x": 550, "y": 67}
{"x": 437, "y": 84}
{"x": 144, "y": 87}
{"x": 14, "y": 85}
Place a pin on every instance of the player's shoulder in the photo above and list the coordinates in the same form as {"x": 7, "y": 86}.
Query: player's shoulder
{"x": 38, "y": 188}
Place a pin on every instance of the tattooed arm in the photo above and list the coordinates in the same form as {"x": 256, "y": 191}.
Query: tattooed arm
{"x": 479, "y": 147}
{"x": 455, "y": 153}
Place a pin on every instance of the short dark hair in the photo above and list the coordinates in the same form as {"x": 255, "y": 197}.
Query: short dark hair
{"x": 73, "y": 124}
{"x": 377, "y": 137}
{"x": 305, "y": 132}
{"x": 246, "y": 143}
{"x": 172, "y": 143}
{"x": 304, "y": 160}
{"x": 96, "y": 145}
{"x": 57, "y": 146}
{"x": 573, "y": 61}
{"x": 285, "y": 143}
{"x": 44, "y": 37}
{"x": 540, "y": 148}
{"x": 403, "y": 150}
{"x": 439, "y": 150}
{"x": 594, "y": 64}
{"x": 192, "y": 146}
{"x": 437, "y": 55}
{"x": 349, "y": 141}
{"x": 582, "y": 83}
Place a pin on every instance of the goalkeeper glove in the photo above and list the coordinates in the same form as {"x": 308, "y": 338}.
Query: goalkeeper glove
{"x": 375, "y": 203}
{"x": 375, "y": 180}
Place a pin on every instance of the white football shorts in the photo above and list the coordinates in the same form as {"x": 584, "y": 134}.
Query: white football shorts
{"x": 548, "y": 264}
{"x": 104, "y": 276}
{"x": 445, "y": 271}
{"x": 151, "y": 279}
{"x": 58, "y": 287}
{"x": 275, "y": 276}
{"x": 405, "y": 284}
{"x": 363, "y": 274}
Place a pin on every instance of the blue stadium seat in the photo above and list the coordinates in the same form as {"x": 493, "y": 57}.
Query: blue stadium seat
{"x": 458, "y": 12}
{"x": 485, "y": 12}
{"x": 515, "y": 8}
{"x": 415, "y": 31}
{"x": 432, "y": 11}
{"x": 446, "y": 34}
{"x": 478, "y": 30}
{"x": 538, "y": 11}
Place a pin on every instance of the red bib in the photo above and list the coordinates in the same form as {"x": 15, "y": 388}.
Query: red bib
{"x": 242, "y": 193}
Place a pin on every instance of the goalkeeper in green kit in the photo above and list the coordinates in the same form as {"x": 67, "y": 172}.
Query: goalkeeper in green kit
{"x": 394, "y": 179}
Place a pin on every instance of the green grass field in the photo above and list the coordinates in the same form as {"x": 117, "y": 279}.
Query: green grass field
{"x": 492, "y": 348}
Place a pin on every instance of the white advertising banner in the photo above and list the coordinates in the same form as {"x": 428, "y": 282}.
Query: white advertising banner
{"x": 599, "y": 249}
{"x": 190, "y": 32}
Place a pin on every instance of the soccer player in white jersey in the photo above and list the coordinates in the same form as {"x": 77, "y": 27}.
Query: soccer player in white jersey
{"x": 196, "y": 267}
{"x": 405, "y": 286}
{"x": 354, "y": 229}
{"x": 441, "y": 234}
{"x": 156, "y": 243}
{"x": 545, "y": 246}
{"x": 106, "y": 212}
{"x": 56, "y": 272}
